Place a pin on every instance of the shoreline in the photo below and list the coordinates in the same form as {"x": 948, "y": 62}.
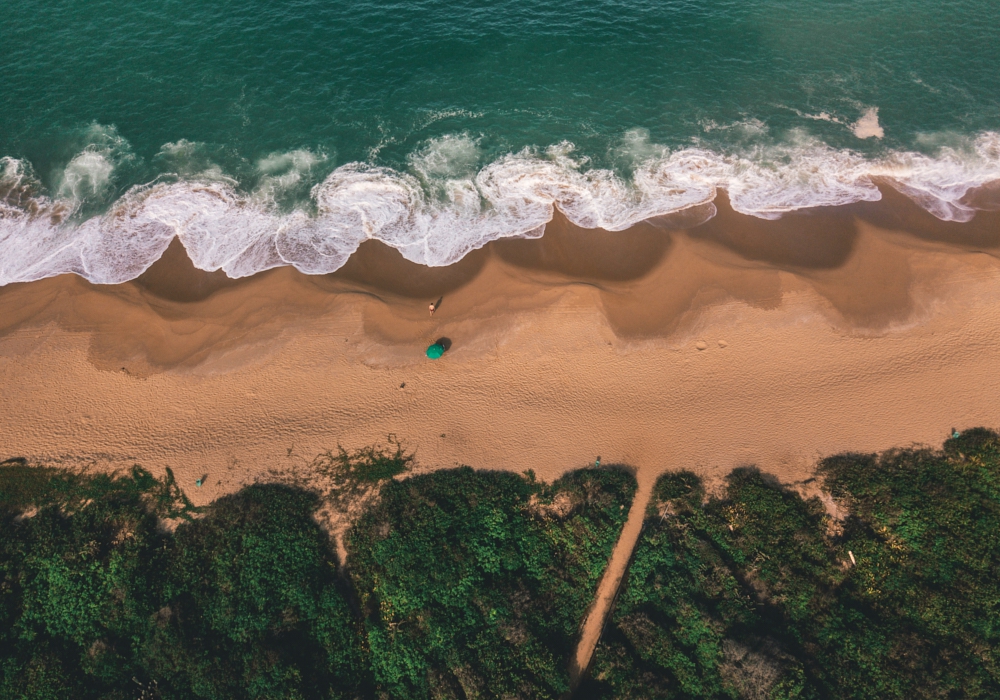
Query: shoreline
{"x": 245, "y": 232}
{"x": 734, "y": 342}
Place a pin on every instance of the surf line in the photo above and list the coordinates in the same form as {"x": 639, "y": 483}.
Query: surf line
{"x": 611, "y": 580}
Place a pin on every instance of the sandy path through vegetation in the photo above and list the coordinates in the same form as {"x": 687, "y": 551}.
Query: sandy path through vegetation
{"x": 607, "y": 589}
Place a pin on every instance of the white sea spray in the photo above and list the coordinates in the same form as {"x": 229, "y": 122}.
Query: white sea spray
{"x": 444, "y": 205}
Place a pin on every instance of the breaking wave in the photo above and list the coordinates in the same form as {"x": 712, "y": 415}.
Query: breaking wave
{"x": 439, "y": 208}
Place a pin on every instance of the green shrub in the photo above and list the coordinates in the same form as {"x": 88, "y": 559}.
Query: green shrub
{"x": 252, "y": 606}
{"x": 99, "y": 602}
{"x": 753, "y": 593}
{"x": 24, "y": 486}
{"x": 483, "y": 586}
{"x": 475, "y": 584}
{"x": 78, "y": 579}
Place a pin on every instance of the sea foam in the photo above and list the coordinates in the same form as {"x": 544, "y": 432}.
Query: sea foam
{"x": 440, "y": 208}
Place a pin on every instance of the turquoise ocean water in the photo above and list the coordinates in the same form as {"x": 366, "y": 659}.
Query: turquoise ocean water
{"x": 285, "y": 133}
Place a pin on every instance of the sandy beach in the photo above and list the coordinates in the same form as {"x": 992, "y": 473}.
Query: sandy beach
{"x": 668, "y": 346}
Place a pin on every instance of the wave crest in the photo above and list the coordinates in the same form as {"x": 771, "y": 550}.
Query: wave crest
{"x": 439, "y": 211}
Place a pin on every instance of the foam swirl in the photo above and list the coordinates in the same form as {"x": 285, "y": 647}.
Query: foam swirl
{"x": 441, "y": 208}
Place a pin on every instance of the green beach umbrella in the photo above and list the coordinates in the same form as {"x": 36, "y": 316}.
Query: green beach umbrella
{"x": 435, "y": 351}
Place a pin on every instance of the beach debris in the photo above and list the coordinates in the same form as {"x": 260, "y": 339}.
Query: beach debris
{"x": 955, "y": 434}
{"x": 197, "y": 482}
{"x": 701, "y": 345}
{"x": 853, "y": 560}
{"x": 403, "y": 385}
{"x": 597, "y": 462}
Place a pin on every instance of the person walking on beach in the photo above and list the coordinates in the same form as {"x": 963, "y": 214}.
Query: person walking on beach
{"x": 434, "y": 305}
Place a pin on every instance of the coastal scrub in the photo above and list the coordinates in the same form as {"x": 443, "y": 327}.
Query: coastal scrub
{"x": 115, "y": 586}
{"x": 99, "y": 600}
{"x": 475, "y": 584}
{"x": 760, "y": 593}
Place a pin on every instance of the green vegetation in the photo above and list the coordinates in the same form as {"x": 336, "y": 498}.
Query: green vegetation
{"x": 77, "y": 578}
{"x": 23, "y": 487}
{"x": 475, "y": 584}
{"x": 98, "y": 600}
{"x": 754, "y": 594}
{"x": 466, "y": 584}
{"x": 252, "y": 605}
{"x": 349, "y": 481}
{"x": 245, "y": 598}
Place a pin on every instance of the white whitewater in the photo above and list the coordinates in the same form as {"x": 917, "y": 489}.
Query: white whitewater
{"x": 438, "y": 210}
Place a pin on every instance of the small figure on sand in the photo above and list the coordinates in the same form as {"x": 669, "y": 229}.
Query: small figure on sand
{"x": 434, "y": 306}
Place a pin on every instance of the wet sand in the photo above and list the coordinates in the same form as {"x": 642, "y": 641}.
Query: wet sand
{"x": 668, "y": 346}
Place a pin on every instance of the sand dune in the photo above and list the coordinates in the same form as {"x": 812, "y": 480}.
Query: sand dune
{"x": 663, "y": 347}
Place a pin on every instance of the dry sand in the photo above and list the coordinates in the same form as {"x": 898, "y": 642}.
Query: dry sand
{"x": 737, "y": 341}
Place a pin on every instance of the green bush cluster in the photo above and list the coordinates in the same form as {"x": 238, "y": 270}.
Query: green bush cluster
{"x": 475, "y": 584}
{"x": 453, "y": 577}
{"x": 99, "y": 600}
{"x": 754, "y": 593}
{"x": 464, "y": 584}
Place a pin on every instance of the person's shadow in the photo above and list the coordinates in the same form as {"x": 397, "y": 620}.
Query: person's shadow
{"x": 444, "y": 342}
